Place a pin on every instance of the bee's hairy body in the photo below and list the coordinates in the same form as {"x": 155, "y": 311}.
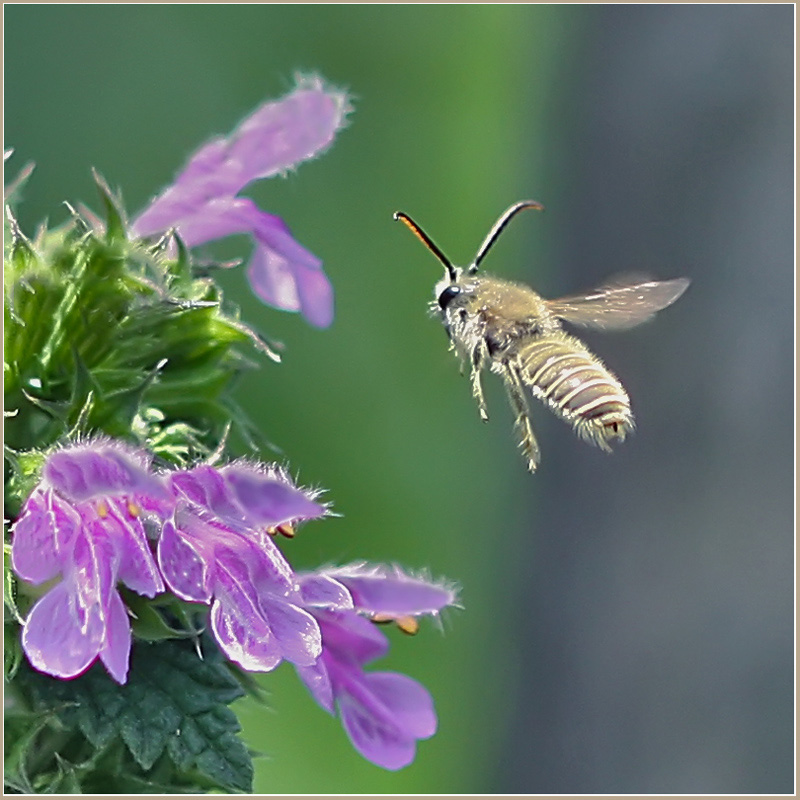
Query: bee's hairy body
{"x": 577, "y": 386}
{"x": 508, "y": 327}
{"x": 511, "y": 329}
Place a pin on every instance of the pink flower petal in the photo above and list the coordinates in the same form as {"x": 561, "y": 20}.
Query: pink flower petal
{"x": 254, "y": 648}
{"x": 276, "y": 137}
{"x": 295, "y": 630}
{"x": 409, "y": 703}
{"x": 59, "y": 638}
{"x": 280, "y": 135}
{"x": 99, "y": 469}
{"x": 206, "y": 488}
{"x": 266, "y": 500}
{"x": 388, "y": 590}
{"x": 34, "y": 554}
{"x": 116, "y": 649}
{"x": 137, "y": 568}
{"x": 315, "y": 677}
{"x": 259, "y": 614}
{"x": 376, "y": 739}
{"x": 291, "y": 285}
{"x": 322, "y": 591}
{"x": 93, "y": 566}
{"x": 183, "y": 568}
{"x": 281, "y": 272}
{"x": 351, "y": 638}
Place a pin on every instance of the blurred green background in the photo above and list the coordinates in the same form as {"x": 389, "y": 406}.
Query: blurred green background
{"x": 628, "y": 620}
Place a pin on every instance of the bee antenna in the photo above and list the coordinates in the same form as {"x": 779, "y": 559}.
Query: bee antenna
{"x": 491, "y": 237}
{"x": 427, "y": 241}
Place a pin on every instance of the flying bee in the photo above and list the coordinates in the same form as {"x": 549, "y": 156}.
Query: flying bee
{"x": 518, "y": 335}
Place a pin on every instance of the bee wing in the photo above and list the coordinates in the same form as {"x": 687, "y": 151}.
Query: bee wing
{"x": 618, "y": 306}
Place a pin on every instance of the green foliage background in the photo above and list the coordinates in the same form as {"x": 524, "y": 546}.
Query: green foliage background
{"x": 459, "y": 111}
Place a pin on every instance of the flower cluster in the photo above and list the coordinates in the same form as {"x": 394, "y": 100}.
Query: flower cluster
{"x": 203, "y": 203}
{"x": 93, "y": 520}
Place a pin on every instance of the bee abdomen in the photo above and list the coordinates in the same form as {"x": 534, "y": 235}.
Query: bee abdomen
{"x": 578, "y": 387}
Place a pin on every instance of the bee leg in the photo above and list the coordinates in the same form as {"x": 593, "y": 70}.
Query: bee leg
{"x": 478, "y": 360}
{"x": 519, "y": 403}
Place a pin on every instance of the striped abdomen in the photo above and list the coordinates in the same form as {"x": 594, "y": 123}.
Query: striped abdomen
{"x": 577, "y": 386}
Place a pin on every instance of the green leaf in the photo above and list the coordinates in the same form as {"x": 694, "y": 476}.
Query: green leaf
{"x": 10, "y": 585}
{"x": 13, "y": 656}
{"x": 65, "y": 781}
{"x": 174, "y": 705}
{"x": 21, "y": 732}
{"x": 22, "y": 474}
{"x": 115, "y": 225}
{"x": 14, "y": 186}
{"x": 164, "y": 617}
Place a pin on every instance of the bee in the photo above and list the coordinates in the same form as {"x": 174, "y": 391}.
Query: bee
{"x": 511, "y": 329}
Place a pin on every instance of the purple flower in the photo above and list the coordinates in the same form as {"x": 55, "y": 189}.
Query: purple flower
{"x": 383, "y": 713}
{"x": 203, "y": 203}
{"x": 218, "y": 549}
{"x": 84, "y": 522}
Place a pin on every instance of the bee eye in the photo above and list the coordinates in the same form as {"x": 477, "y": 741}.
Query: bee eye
{"x": 448, "y": 294}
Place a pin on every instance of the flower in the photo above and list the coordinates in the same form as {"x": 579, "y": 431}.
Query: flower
{"x": 84, "y": 522}
{"x": 217, "y": 549}
{"x": 383, "y": 713}
{"x": 203, "y": 203}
